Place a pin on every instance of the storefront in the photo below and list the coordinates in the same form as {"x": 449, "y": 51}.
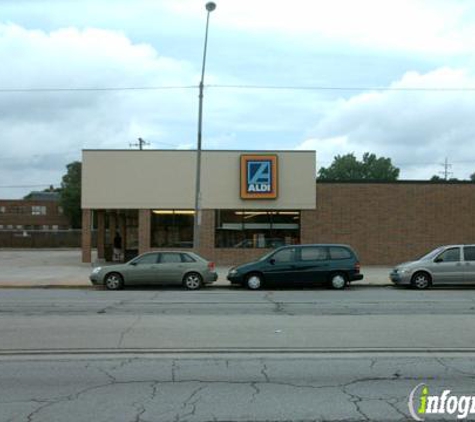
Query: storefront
{"x": 250, "y": 201}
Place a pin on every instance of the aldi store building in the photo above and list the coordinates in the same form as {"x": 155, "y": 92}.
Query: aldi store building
{"x": 255, "y": 201}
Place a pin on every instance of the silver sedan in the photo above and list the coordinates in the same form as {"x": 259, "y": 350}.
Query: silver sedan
{"x": 185, "y": 268}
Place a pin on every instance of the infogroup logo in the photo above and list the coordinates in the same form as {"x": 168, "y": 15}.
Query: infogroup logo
{"x": 422, "y": 403}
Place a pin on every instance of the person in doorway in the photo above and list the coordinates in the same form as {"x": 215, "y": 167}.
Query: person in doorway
{"x": 117, "y": 247}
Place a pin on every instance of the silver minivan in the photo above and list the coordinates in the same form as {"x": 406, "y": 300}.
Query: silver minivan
{"x": 452, "y": 264}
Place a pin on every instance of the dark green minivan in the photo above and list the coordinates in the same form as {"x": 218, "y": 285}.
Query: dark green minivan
{"x": 335, "y": 265}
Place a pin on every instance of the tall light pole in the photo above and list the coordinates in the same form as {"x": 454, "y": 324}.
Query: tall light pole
{"x": 210, "y": 6}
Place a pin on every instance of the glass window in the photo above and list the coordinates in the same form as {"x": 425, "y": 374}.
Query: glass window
{"x": 150, "y": 258}
{"x": 285, "y": 255}
{"x": 337, "y": 252}
{"x": 172, "y": 228}
{"x": 167, "y": 257}
{"x": 38, "y": 210}
{"x": 187, "y": 258}
{"x": 2, "y": 210}
{"x": 313, "y": 253}
{"x": 17, "y": 209}
{"x": 256, "y": 228}
{"x": 450, "y": 255}
{"x": 469, "y": 253}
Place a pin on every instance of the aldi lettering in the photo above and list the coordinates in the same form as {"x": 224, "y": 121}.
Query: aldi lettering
{"x": 258, "y": 176}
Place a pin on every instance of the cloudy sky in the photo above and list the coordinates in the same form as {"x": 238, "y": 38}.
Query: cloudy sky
{"x": 393, "y": 77}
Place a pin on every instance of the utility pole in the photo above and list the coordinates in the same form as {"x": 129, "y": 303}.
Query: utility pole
{"x": 210, "y": 6}
{"x": 140, "y": 144}
{"x": 446, "y": 173}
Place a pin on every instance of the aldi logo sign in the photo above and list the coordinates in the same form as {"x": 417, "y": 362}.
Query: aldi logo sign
{"x": 258, "y": 176}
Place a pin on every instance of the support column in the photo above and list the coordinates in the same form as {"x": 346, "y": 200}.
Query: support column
{"x": 112, "y": 227}
{"x": 123, "y": 230}
{"x": 144, "y": 231}
{"x": 207, "y": 249}
{"x": 207, "y": 232}
{"x": 101, "y": 233}
{"x": 86, "y": 239}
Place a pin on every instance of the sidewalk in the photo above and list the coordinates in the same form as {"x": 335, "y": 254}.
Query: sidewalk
{"x": 63, "y": 268}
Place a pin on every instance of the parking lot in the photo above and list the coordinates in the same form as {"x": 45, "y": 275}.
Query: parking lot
{"x": 63, "y": 268}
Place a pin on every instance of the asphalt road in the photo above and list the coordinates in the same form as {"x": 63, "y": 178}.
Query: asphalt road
{"x": 223, "y": 388}
{"x": 230, "y": 354}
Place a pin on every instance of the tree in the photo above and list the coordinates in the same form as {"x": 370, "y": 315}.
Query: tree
{"x": 436, "y": 178}
{"x": 472, "y": 177}
{"x": 347, "y": 167}
{"x": 70, "y": 195}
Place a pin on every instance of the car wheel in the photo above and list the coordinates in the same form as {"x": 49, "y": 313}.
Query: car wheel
{"x": 421, "y": 281}
{"x": 114, "y": 281}
{"x": 192, "y": 281}
{"x": 338, "y": 281}
{"x": 254, "y": 281}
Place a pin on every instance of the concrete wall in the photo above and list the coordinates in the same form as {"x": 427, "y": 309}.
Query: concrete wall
{"x": 149, "y": 179}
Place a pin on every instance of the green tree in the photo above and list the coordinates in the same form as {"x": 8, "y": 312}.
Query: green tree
{"x": 70, "y": 197}
{"x": 441, "y": 179}
{"x": 472, "y": 177}
{"x": 347, "y": 167}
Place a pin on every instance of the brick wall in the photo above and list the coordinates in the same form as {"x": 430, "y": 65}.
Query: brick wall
{"x": 387, "y": 223}
{"x": 14, "y": 218}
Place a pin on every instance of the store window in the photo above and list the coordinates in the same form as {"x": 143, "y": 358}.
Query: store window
{"x": 256, "y": 229}
{"x": 172, "y": 228}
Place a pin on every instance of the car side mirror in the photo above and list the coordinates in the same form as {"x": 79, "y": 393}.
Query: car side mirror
{"x": 133, "y": 263}
{"x": 437, "y": 260}
{"x": 272, "y": 261}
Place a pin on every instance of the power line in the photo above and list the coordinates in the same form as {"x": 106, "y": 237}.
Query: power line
{"x": 341, "y": 88}
{"x": 244, "y": 87}
{"x": 25, "y": 186}
{"x": 130, "y": 88}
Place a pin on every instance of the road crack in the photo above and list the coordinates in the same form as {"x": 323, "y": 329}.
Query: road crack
{"x": 128, "y": 330}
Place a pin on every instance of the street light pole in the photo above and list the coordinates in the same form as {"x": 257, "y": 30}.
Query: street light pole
{"x": 210, "y": 6}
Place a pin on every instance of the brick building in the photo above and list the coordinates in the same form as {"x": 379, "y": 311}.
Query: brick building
{"x": 41, "y": 211}
{"x": 148, "y": 197}
{"x": 35, "y": 222}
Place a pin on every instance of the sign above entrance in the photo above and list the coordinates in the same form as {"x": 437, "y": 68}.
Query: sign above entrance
{"x": 258, "y": 176}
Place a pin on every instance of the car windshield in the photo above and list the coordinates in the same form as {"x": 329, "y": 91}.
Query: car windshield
{"x": 432, "y": 253}
{"x": 266, "y": 256}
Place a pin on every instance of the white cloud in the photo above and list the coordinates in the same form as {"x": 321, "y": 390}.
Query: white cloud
{"x": 416, "y": 129}
{"x": 42, "y": 131}
{"x": 425, "y": 26}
